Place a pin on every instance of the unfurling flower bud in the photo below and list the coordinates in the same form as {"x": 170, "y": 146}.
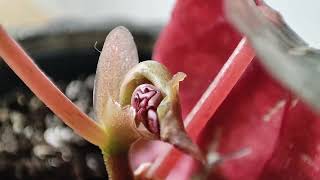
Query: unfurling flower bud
{"x": 154, "y": 94}
{"x": 145, "y": 100}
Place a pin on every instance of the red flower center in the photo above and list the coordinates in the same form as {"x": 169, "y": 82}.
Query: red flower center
{"x": 145, "y": 100}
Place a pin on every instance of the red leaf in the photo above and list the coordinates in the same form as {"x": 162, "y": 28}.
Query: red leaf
{"x": 258, "y": 114}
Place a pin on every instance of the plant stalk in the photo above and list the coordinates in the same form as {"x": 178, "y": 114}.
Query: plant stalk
{"x": 47, "y": 92}
{"x": 118, "y": 166}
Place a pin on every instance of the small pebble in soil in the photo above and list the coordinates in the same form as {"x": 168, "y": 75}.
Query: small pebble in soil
{"x": 4, "y": 114}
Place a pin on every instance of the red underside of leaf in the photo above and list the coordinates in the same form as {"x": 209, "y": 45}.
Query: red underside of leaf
{"x": 259, "y": 113}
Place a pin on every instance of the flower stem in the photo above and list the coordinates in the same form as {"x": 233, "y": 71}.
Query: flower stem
{"x": 41, "y": 86}
{"x": 118, "y": 166}
{"x": 212, "y": 98}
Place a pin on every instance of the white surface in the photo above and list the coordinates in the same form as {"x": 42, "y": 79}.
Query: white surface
{"x": 302, "y": 16}
{"x": 137, "y": 11}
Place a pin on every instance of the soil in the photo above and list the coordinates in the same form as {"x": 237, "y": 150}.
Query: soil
{"x": 35, "y": 144}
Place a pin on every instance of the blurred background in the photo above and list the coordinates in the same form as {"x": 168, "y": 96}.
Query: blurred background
{"x": 60, "y": 35}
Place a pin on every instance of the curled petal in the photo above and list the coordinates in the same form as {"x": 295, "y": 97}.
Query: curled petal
{"x": 280, "y": 49}
{"x": 119, "y": 54}
{"x": 147, "y": 72}
{"x": 145, "y": 100}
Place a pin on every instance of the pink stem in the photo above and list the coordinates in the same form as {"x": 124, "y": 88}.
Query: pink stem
{"x": 39, "y": 83}
{"x": 217, "y": 91}
{"x": 219, "y": 88}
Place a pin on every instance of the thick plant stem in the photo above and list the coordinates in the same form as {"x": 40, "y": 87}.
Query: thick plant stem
{"x": 47, "y": 92}
{"x": 219, "y": 89}
{"x": 213, "y": 97}
{"x": 118, "y": 166}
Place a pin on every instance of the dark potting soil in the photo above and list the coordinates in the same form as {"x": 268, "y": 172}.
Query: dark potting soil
{"x": 35, "y": 144}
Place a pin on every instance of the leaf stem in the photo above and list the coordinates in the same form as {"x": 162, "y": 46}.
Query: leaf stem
{"x": 39, "y": 83}
{"x": 219, "y": 88}
{"x": 212, "y": 98}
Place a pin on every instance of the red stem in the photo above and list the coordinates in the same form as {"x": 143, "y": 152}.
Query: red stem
{"x": 219, "y": 88}
{"x": 39, "y": 83}
{"x": 217, "y": 91}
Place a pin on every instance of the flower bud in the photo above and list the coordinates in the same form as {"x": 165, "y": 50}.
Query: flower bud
{"x": 164, "y": 121}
